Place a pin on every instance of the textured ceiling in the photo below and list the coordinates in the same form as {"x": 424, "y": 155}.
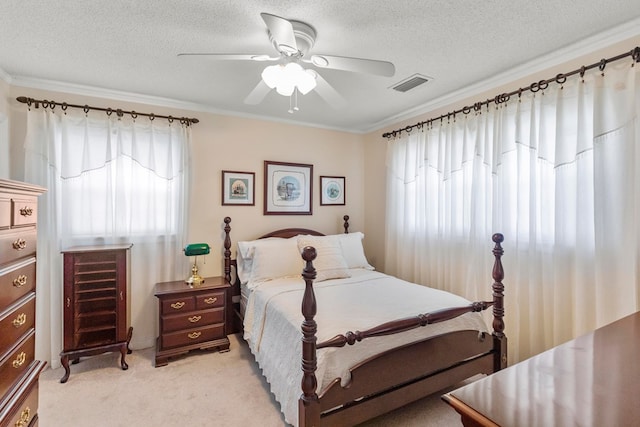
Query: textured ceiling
{"x": 132, "y": 46}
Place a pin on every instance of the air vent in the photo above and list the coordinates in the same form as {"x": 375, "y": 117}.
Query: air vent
{"x": 410, "y": 83}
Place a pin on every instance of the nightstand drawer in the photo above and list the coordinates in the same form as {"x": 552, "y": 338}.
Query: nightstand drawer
{"x": 192, "y": 320}
{"x": 17, "y": 281}
{"x": 210, "y": 300}
{"x": 14, "y": 364}
{"x": 17, "y": 323}
{"x": 178, "y": 305}
{"x": 193, "y": 336}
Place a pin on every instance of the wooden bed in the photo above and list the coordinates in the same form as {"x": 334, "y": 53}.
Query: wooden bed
{"x": 394, "y": 377}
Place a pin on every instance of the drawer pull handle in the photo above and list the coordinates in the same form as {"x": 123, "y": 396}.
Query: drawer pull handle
{"x": 194, "y": 319}
{"x": 194, "y": 335}
{"x": 20, "y": 360}
{"x": 210, "y": 300}
{"x": 25, "y": 417}
{"x": 19, "y": 244}
{"x": 20, "y": 320}
{"x": 20, "y": 281}
{"x": 26, "y": 211}
{"x": 177, "y": 305}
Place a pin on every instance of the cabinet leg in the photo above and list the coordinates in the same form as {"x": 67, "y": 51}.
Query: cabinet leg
{"x": 123, "y": 353}
{"x": 65, "y": 363}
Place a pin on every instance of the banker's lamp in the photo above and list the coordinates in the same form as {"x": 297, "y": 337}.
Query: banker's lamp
{"x": 194, "y": 250}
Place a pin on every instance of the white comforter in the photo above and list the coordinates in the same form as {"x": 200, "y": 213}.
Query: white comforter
{"x": 273, "y": 318}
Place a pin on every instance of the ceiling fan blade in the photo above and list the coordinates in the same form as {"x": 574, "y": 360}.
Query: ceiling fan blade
{"x": 257, "y": 94}
{"x": 329, "y": 94}
{"x": 356, "y": 65}
{"x": 281, "y": 32}
{"x": 230, "y": 56}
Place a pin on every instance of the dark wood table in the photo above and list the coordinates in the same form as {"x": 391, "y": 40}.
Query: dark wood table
{"x": 593, "y": 380}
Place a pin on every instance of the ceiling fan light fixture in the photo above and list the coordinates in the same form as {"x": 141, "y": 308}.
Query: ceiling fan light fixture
{"x": 286, "y": 78}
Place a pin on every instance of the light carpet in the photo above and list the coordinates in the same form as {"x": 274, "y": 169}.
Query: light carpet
{"x": 204, "y": 388}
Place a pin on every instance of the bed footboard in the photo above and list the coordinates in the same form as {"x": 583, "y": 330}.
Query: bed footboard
{"x": 401, "y": 375}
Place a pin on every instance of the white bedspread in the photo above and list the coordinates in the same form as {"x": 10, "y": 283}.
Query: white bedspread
{"x": 273, "y": 318}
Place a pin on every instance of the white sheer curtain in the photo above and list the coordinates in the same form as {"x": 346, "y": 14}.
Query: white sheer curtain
{"x": 110, "y": 180}
{"x": 558, "y": 173}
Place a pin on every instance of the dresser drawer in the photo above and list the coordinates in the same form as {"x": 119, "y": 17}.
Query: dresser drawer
{"x": 210, "y": 300}
{"x": 5, "y": 212}
{"x": 192, "y": 320}
{"x": 24, "y": 211}
{"x": 192, "y": 336}
{"x": 16, "y": 363}
{"x": 17, "y": 244}
{"x": 17, "y": 322}
{"x": 26, "y": 412}
{"x": 17, "y": 281}
{"x": 179, "y": 304}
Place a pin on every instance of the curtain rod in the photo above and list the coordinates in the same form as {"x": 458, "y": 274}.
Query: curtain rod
{"x": 134, "y": 114}
{"x": 533, "y": 87}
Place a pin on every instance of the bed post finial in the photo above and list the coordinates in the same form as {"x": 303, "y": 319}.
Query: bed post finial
{"x": 498, "y": 303}
{"x": 346, "y": 224}
{"x": 227, "y": 249}
{"x": 309, "y": 407}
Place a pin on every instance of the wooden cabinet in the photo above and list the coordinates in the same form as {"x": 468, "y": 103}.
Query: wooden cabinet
{"x": 19, "y": 371}
{"x": 95, "y": 303}
{"x": 192, "y": 317}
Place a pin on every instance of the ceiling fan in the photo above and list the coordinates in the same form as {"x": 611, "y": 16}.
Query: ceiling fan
{"x": 292, "y": 40}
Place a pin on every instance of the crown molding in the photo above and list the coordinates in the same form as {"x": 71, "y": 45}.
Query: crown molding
{"x": 6, "y": 77}
{"x": 116, "y": 95}
{"x": 568, "y": 53}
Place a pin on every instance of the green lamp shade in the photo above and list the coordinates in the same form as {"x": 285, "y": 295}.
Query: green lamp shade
{"x": 196, "y": 249}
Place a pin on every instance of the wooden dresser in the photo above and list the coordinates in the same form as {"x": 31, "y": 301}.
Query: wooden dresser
{"x": 19, "y": 371}
{"x": 95, "y": 303}
{"x": 192, "y": 317}
{"x": 591, "y": 381}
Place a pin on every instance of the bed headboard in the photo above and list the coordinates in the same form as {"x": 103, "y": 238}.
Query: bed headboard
{"x": 284, "y": 233}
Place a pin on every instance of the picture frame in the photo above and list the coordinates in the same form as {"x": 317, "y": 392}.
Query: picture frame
{"x": 287, "y": 188}
{"x": 238, "y": 188}
{"x": 332, "y": 190}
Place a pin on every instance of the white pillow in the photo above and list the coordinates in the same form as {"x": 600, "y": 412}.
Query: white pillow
{"x": 275, "y": 258}
{"x": 352, "y": 250}
{"x": 329, "y": 262}
{"x": 244, "y": 257}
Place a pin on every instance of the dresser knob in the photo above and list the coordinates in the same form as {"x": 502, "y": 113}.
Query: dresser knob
{"x": 19, "y": 244}
{"x": 19, "y": 360}
{"x": 194, "y": 335}
{"x": 25, "y": 417}
{"x": 195, "y": 319}
{"x": 210, "y": 300}
{"x": 26, "y": 211}
{"x": 20, "y": 281}
{"x": 177, "y": 305}
{"x": 20, "y": 320}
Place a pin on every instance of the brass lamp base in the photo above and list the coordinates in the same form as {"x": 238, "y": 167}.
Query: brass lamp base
{"x": 195, "y": 280}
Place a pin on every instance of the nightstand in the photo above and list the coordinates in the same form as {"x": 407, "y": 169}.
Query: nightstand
{"x": 192, "y": 318}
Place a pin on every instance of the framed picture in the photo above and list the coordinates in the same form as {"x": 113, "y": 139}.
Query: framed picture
{"x": 287, "y": 188}
{"x": 332, "y": 190}
{"x": 238, "y": 188}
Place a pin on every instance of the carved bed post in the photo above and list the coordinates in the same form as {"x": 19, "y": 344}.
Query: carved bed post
{"x": 227, "y": 249}
{"x": 346, "y": 224}
{"x": 308, "y": 406}
{"x": 500, "y": 340}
